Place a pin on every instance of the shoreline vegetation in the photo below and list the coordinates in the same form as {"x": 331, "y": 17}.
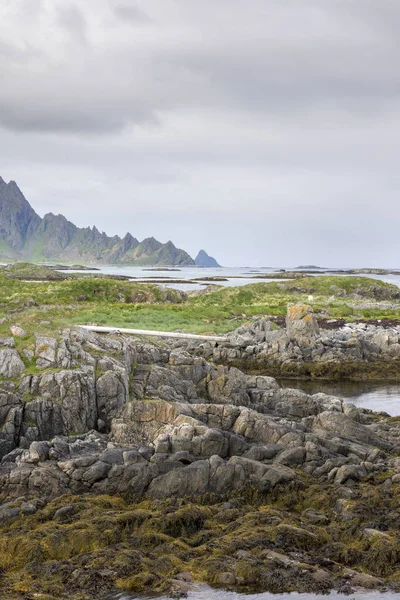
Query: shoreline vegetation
{"x": 138, "y": 465}
{"x": 38, "y": 298}
{"x": 299, "y": 538}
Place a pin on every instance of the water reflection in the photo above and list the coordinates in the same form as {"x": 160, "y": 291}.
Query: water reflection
{"x": 373, "y": 395}
{"x": 206, "y": 593}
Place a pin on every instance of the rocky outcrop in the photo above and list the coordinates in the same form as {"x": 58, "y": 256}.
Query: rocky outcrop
{"x": 168, "y": 449}
{"x": 112, "y": 414}
{"x": 118, "y": 454}
{"x": 301, "y": 325}
{"x": 11, "y": 364}
{"x": 302, "y": 348}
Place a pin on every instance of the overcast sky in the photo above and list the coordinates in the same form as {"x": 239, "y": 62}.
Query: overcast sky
{"x": 266, "y": 132}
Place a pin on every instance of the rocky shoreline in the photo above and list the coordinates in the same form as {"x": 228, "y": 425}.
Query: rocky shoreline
{"x": 155, "y": 430}
{"x": 302, "y": 348}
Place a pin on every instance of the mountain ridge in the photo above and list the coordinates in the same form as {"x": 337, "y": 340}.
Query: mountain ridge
{"x": 24, "y": 235}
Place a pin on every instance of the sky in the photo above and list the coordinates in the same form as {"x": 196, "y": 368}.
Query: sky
{"x": 266, "y": 132}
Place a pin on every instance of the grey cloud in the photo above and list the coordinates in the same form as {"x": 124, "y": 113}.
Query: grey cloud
{"x": 72, "y": 19}
{"x": 131, "y": 13}
{"x": 203, "y": 60}
{"x": 261, "y": 134}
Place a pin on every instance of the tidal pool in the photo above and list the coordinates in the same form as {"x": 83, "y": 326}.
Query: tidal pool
{"x": 207, "y": 593}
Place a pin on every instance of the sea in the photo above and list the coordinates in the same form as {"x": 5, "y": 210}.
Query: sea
{"x": 187, "y": 278}
{"x": 203, "y": 592}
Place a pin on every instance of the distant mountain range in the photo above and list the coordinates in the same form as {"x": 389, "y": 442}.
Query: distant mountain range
{"x": 204, "y": 260}
{"x": 26, "y": 236}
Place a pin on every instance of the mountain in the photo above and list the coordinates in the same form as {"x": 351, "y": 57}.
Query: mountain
{"x": 204, "y": 260}
{"x": 26, "y": 236}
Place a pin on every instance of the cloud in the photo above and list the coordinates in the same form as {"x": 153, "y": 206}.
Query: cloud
{"x": 272, "y": 61}
{"x": 259, "y": 134}
{"x": 131, "y": 13}
{"x": 72, "y": 20}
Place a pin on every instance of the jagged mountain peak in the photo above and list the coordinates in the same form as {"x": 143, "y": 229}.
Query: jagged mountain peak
{"x": 18, "y": 220}
{"x": 25, "y": 236}
{"x": 51, "y": 216}
{"x": 129, "y": 237}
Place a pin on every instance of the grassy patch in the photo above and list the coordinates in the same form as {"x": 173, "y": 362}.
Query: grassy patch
{"x": 145, "y": 306}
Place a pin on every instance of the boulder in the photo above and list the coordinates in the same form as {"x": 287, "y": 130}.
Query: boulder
{"x": 17, "y": 331}
{"x": 11, "y": 364}
{"x": 39, "y": 452}
{"x": 301, "y": 324}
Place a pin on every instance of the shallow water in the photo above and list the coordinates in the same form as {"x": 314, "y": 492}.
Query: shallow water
{"x": 373, "y": 395}
{"x": 206, "y": 593}
{"x": 235, "y": 275}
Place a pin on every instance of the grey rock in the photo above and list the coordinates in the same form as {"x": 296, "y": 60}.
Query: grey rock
{"x": 112, "y": 392}
{"x": 11, "y": 364}
{"x": 354, "y": 472}
{"x": 39, "y": 452}
{"x": 301, "y": 324}
{"x": 45, "y": 351}
{"x": 28, "y": 508}
{"x": 64, "y": 511}
{"x": 186, "y": 481}
{"x": 292, "y": 457}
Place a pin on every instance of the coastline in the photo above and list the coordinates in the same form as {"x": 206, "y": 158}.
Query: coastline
{"x": 194, "y": 468}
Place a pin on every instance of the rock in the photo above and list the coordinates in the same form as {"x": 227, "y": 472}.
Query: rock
{"x": 292, "y": 457}
{"x": 221, "y": 430}
{"x": 64, "y": 511}
{"x": 112, "y": 392}
{"x": 316, "y": 517}
{"x": 29, "y": 354}
{"x": 190, "y": 480}
{"x": 11, "y": 364}
{"x": 46, "y": 351}
{"x": 346, "y": 427}
{"x": 17, "y": 331}
{"x": 362, "y": 580}
{"x": 39, "y": 451}
{"x": 9, "y": 513}
{"x": 321, "y": 575}
{"x": 301, "y": 324}
{"x": 28, "y": 508}
{"x": 226, "y": 579}
{"x": 185, "y": 576}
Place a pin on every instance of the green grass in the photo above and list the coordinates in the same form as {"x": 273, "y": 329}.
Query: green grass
{"x": 145, "y": 306}
{"x": 161, "y": 317}
{"x": 30, "y": 270}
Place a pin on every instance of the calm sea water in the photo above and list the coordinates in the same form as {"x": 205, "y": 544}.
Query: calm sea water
{"x": 206, "y": 593}
{"x": 375, "y": 396}
{"x": 234, "y": 275}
